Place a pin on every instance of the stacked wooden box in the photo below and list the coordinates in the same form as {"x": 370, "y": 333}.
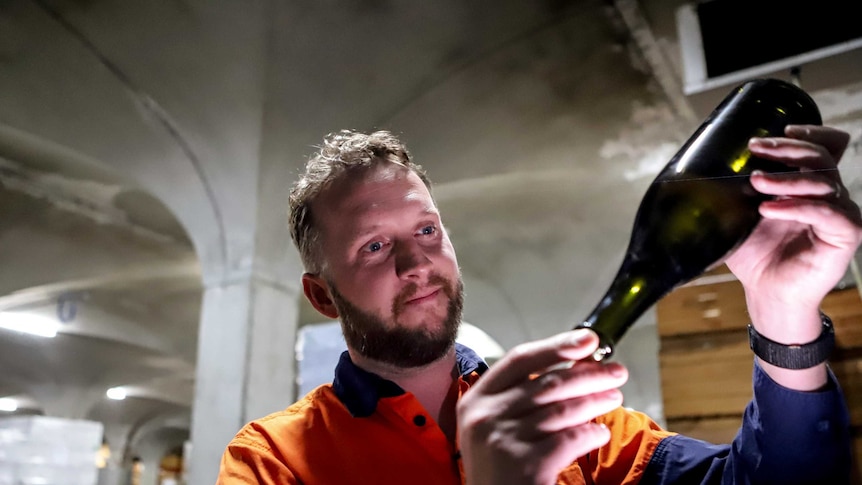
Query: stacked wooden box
{"x": 706, "y": 364}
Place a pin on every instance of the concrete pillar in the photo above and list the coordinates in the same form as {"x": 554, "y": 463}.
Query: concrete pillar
{"x": 246, "y": 345}
{"x": 246, "y": 350}
{"x": 245, "y": 365}
{"x": 116, "y": 469}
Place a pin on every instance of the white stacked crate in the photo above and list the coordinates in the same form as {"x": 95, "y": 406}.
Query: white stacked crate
{"x": 40, "y": 450}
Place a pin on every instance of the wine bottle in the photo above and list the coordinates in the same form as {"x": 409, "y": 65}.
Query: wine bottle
{"x": 701, "y": 206}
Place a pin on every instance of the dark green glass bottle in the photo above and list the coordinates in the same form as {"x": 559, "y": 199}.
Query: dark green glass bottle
{"x": 701, "y": 206}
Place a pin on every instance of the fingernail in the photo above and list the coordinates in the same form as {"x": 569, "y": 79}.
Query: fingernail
{"x": 762, "y": 142}
{"x": 757, "y": 173}
{"x": 579, "y": 336}
{"x": 796, "y": 130}
{"x": 616, "y": 370}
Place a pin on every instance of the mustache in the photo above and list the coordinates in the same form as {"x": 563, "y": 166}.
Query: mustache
{"x": 410, "y": 291}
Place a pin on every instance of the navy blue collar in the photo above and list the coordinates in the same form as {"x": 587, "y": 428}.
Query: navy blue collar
{"x": 360, "y": 390}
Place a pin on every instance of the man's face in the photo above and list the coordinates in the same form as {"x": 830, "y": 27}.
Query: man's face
{"x": 391, "y": 269}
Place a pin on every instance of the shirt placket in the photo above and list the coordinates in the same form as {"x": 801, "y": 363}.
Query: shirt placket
{"x": 413, "y": 415}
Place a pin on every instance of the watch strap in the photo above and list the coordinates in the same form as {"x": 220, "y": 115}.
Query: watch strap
{"x": 800, "y": 356}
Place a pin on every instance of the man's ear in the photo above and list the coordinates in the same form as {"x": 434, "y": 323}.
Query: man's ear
{"x": 317, "y": 291}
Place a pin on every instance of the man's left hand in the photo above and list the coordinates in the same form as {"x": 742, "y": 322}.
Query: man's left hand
{"x": 807, "y": 237}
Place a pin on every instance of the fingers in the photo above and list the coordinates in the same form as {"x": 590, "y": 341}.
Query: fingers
{"x": 577, "y": 441}
{"x": 559, "y": 450}
{"x": 561, "y": 415}
{"x": 834, "y": 141}
{"x": 839, "y": 226}
{"x": 583, "y": 379}
{"x": 785, "y": 184}
{"x": 538, "y": 417}
{"x": 809, "y": 147}
{"x": 795, "y": 153}
{"x": 816, "y": 199}
{"x": 536, "y": 357}
{"x": 528, "y": 406}
{"x": 816, "y": 151}
{"x": 553, "y": 401}
{"x": 538, "y": 462}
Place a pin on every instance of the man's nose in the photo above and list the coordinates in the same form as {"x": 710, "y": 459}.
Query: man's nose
{"x": 411, "y": 260}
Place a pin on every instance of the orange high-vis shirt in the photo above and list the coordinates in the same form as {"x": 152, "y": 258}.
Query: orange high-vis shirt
{"x": 363, "y": 429}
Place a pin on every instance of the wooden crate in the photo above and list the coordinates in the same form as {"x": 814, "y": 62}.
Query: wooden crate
{"x": 706, "y": 365}
{"x": 697, "y": 309}
{"x": 706, "y": 375}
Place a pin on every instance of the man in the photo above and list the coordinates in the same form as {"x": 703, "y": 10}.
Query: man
{"x": 378, "y": 258}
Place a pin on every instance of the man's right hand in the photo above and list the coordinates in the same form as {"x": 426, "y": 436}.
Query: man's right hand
{"x": 528, "y": 417}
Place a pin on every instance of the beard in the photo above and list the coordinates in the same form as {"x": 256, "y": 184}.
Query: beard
{"x": 393, "y": 344}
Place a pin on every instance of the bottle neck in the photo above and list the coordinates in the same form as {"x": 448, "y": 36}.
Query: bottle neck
{"x": 637, "y": 286}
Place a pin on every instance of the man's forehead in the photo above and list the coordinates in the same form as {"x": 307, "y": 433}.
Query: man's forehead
{"x": 366, "y": 183}
{"x": 345, "y": 206}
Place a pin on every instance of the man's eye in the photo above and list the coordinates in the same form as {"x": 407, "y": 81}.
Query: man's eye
{"x": 374, "y": 247}
{"x": 429, "y": 230}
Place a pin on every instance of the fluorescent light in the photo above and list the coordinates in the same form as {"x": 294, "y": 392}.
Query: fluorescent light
{"x": 116, "y": 393}
{"x": 29, "y": 323}
{"x": 8, "y": 404}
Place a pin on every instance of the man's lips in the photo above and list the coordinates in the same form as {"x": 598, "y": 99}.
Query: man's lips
{"x": 426, "y": 296}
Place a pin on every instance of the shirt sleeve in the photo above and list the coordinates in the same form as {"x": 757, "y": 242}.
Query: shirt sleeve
{"x": 250, "y": 463}
{"x": 787, "y": 437}
{"x": 623, "y": 460}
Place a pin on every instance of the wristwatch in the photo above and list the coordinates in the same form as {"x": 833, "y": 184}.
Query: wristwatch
{"x": 794, "y": 356}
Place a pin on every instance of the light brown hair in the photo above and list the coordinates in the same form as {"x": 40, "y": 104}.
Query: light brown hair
{"x": 342, "y": 153}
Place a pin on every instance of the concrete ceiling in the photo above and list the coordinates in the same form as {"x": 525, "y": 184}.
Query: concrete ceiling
{"x": 131, "y": 134}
